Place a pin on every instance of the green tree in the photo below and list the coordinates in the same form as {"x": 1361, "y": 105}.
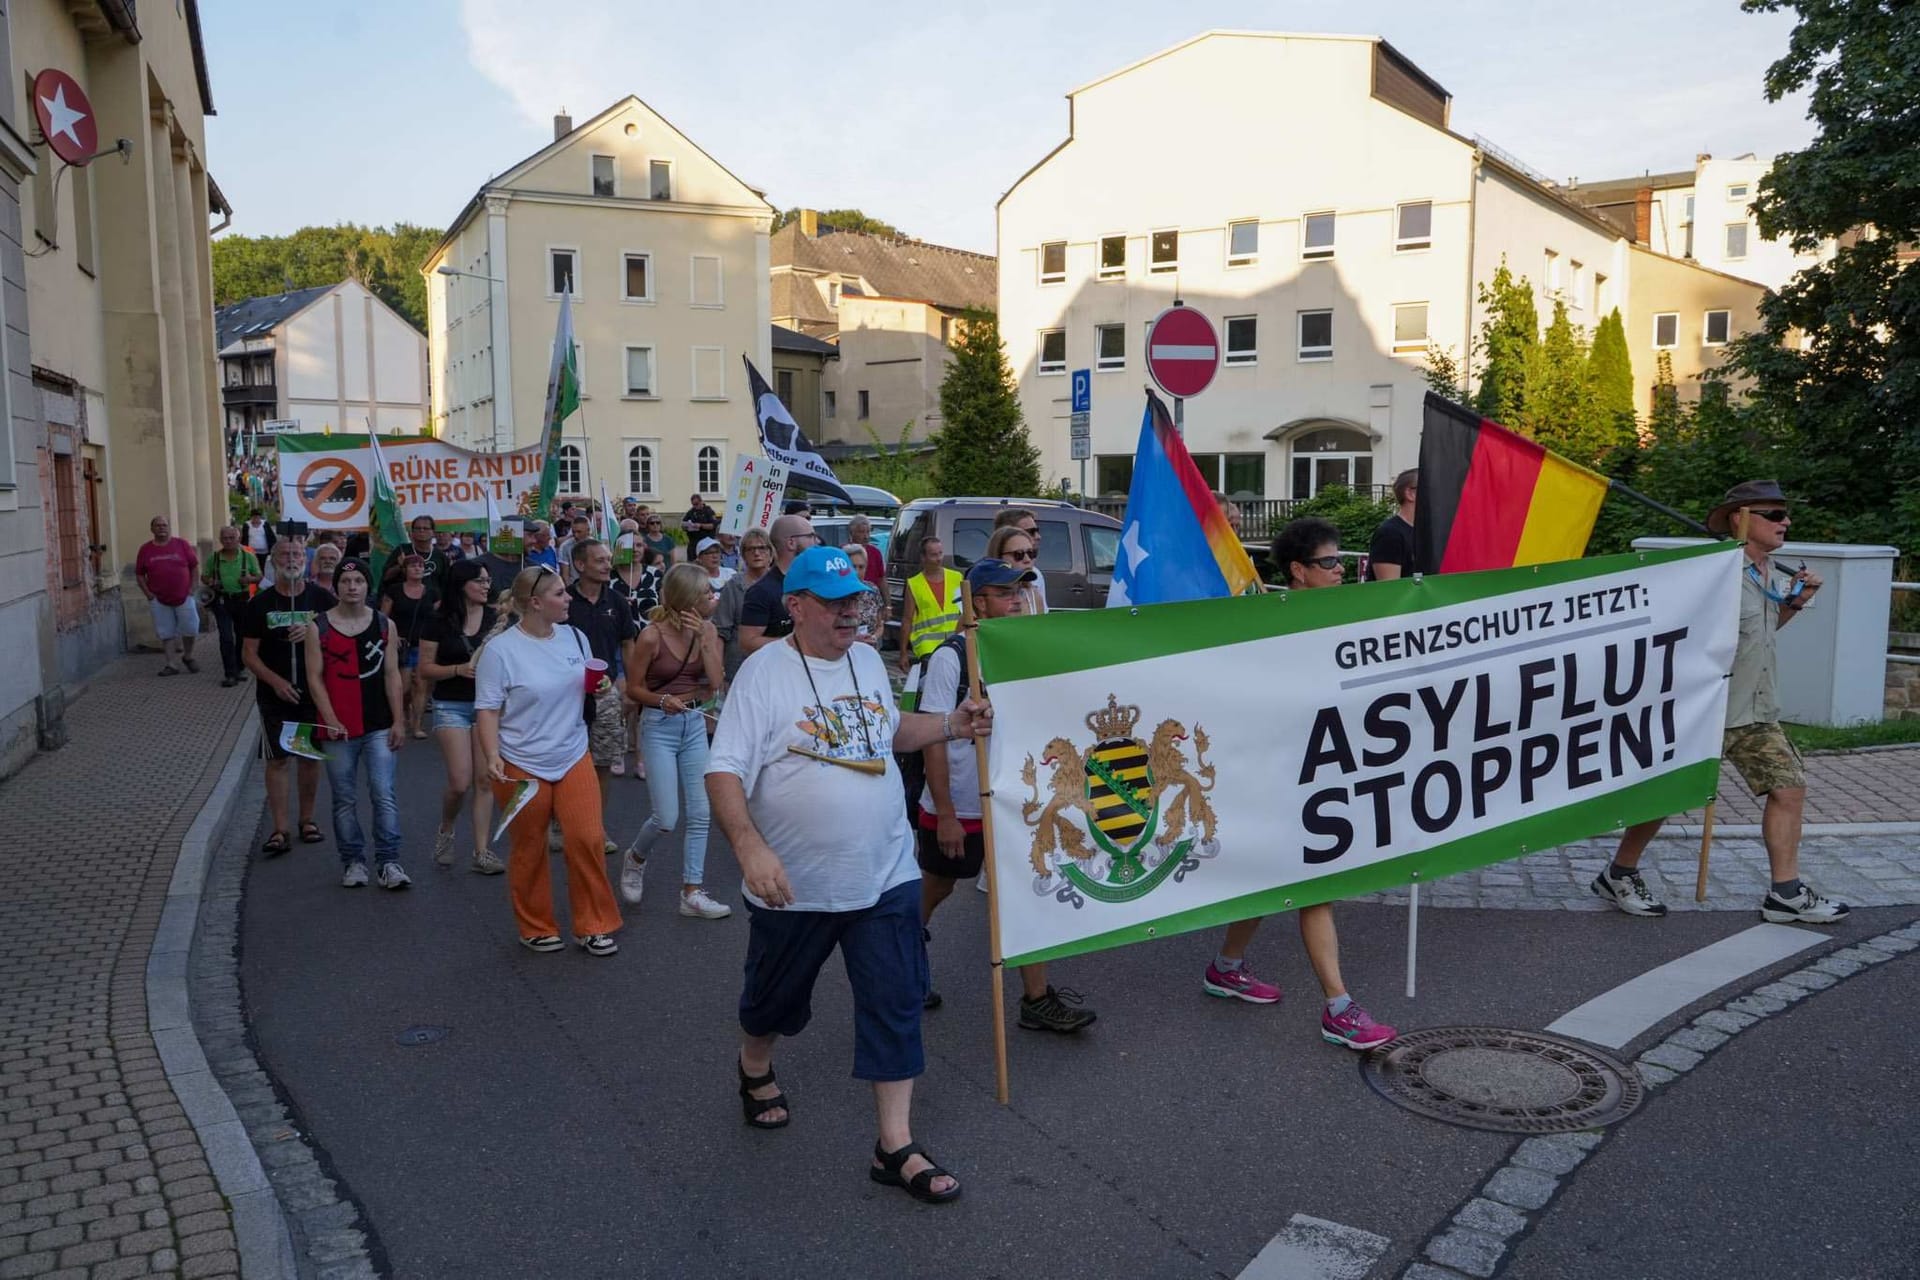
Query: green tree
{"x": 1445, "y": 372}
{"x": 1610, "y": 371}
{"x": 386, "y": 261}
{"x": 983, "y": 447}
{"x": 1557, "y": 402}
{"x": 1508, "y": 336}
{"x": 843, "y": 220}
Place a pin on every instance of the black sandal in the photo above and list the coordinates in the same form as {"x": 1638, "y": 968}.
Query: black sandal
{"x": 754, "y": 1107}
{"x": 920, "y": 1186}
{"x": 276, "y": 844}
{"x": 310, "y": 833}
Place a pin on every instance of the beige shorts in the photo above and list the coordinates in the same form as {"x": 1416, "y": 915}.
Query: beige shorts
{"x": 607, "y": 735}
{"x": 1766, "y": 759}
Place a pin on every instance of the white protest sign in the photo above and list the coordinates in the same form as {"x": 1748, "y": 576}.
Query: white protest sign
{"x": 753, "y": 495}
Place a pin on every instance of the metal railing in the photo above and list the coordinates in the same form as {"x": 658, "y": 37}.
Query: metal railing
{"x": 1905, "y": 659}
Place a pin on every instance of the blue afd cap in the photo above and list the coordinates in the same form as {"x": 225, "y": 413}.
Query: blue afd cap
{"x": 997, "y": 573}
{"x": 824, "y": 572}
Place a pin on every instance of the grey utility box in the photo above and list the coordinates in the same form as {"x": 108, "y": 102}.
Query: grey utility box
{"x": 1833, "y": 657}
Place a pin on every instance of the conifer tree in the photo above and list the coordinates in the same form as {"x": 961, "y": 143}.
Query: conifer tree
{"x": 982, "y": 447}
{"x": 1510, "y": 331}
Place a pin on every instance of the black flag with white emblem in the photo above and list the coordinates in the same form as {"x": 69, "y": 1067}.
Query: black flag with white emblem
{"x": 782, "y": 440}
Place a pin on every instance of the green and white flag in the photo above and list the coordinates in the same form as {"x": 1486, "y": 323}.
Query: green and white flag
{"x": 517, "y": 799}
{"x": 1182, "y": 766}
{"x": 297, "y": 740}
{"x": 388, "y": 526}
{"x": 563, "y": 397}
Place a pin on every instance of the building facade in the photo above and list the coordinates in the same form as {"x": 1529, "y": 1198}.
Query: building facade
{"x": 891, "y": 305}
{"x": 1329, "y": 259}
{"x": 108, "y": 331}
{"x": 330, "y": 358}
{"x": 663, "y": 254}
{"x": 799, "y": 370}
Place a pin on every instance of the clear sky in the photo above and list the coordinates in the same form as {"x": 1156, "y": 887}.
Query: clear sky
{"x": 379, "y": 111}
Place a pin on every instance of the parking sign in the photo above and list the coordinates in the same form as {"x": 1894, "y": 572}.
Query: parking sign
{"x": 1082, "y": 390}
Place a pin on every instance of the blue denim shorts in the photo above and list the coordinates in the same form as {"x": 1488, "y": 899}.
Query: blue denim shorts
{"x": 452, "y": 715}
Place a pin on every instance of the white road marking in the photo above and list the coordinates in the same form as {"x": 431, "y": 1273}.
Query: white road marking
{"x": 1315, "y": 1249}
{"x": 1615, "y": 1017}
{"x": 1175, "y": 351}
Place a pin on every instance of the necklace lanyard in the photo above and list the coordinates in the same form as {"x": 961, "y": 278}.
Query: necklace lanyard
{"x": 1778, "y": 598}
{"x": 859, "y": 703}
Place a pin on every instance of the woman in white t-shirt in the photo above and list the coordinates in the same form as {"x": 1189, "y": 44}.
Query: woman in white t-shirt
{"x": 529, "y": 712}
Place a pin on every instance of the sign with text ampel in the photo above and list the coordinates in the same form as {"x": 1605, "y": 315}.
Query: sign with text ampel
{"x": 325, "y": 480}
{"x": 754, "y": 494}
{"x": 1182, "y": 766}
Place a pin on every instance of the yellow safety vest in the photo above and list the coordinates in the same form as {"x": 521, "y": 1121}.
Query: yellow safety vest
{"x": 930, "y": 624}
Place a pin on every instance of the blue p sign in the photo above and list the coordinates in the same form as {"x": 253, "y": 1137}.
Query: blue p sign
{"x": 1082, "y": 390}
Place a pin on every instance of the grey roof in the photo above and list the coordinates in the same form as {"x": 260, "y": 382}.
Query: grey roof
{"x": 896, "y": 268}
{"x": 257, "y": 317}
{"x": 785, "y": 339}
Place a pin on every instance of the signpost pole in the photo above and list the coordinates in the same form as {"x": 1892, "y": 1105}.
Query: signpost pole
{"x": 1179, "y": 414}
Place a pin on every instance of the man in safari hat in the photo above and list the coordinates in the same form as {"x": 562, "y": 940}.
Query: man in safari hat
{"x": 1771, "y": 596}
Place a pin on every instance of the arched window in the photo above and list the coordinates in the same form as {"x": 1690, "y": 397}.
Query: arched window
{"x": 570, "y": 469}
{"x": 1331, "y": 456}
{"x": 640, "y": 470}
{"x": 706, "y": 469}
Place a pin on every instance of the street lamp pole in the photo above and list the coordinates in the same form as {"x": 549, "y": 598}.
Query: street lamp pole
{"x": 492, "y": 355}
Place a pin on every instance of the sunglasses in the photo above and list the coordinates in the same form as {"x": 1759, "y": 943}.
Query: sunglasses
{"x": 1776, "y": 515}
{"x": 1323, "y": 562}
{"x": 1019, "y": 555}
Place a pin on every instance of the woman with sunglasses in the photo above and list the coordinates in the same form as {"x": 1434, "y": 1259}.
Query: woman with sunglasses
{"x": 756, "y": 558}
{"x": 655, "y": 534}
{"x": 1307, "y": 553}
{"x": 448, "y": 652}
{"x": 1019, "y": 548}
{"x": 530, "y": 688}
{"x": 873, "y": 605}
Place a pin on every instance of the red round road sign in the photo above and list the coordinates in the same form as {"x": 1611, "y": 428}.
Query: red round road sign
{"x": 65, "y": 116}
{"x": 1183, "y": 353}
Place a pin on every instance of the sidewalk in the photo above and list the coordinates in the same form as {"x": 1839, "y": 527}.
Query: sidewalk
{"x": 101, "y": 1174}
{"x": 1842, "y": 787}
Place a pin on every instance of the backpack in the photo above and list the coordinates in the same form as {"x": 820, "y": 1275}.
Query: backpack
{"x": 913, "y": 764}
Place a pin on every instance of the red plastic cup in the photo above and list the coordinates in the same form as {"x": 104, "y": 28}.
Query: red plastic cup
{"x": 596, "y": 674}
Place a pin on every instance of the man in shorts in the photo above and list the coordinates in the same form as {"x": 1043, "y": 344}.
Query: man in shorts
{"x": 604, "y": 617}
{"x": 803, "y": 783}
{"x": 952, "y": 843}
{"x": 165, "y": 570}
{"x": 1771, "y": 596}
{"x": 273, "y": 632}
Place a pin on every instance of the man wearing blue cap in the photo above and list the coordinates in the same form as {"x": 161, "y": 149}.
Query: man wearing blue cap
{"x": 802, "y": 780}
{"x": 952, "y": 841}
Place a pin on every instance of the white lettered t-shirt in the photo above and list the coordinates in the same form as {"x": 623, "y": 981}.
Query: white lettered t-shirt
{"x": 537, "y": 686}
{"x": 842, "y": 835}
{"x": 939, "y": 693}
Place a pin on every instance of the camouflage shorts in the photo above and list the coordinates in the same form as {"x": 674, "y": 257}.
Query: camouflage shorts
{"x": 1767, "y": 761}
{"x": 607, "y": 735}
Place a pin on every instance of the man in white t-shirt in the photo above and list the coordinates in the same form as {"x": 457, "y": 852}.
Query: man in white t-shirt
{"x": 952, "y": 842}
{"x": 802, "y": 780}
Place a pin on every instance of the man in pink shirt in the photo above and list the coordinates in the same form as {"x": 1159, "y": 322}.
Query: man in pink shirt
{"x": 165, "y": 569}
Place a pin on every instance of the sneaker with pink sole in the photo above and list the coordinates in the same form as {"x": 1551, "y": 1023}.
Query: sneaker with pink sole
{"x": 1355, "y": 1028}
{"x": 1239, "y": 984}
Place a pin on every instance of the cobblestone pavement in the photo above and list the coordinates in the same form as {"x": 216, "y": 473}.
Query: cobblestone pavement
{"x": 101, "y": 1175}
{"x": 1845, "y": 786}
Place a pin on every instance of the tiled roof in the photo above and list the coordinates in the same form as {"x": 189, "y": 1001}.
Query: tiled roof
{"x": 796, "y": 297}
{"x": 256, "y": 317}
{"x": 785, "y": 339}
{"x": 893, "y": 268}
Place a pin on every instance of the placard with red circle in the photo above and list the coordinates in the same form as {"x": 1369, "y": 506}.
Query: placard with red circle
{"x": 1183, "y": 352}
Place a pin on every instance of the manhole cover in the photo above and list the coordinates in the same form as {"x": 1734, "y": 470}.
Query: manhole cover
{"x": 1507, "y": 1081}
{"x": 420, "y": 1035}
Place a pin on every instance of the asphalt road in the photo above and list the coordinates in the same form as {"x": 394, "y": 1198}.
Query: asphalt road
{"x": 578, "y": 1117}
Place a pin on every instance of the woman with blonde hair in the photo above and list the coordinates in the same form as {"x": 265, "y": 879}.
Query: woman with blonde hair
{"x": 873, "y": 605}
{"x": 531, "y": 713}
{"x": 676, "y": 666}
{"x": 1017, "y": 547}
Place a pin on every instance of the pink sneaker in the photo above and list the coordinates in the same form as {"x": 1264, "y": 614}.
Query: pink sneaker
{"x": 1355, "y": 1028}
{"x": 1240, "y": 984}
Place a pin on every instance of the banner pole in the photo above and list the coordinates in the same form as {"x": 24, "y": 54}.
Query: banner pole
{"x": 969, "y": 626}
{"x": 1413, "y": 933}
{"x": 1614, "y": 486}
{"x": 1706, "y": 842}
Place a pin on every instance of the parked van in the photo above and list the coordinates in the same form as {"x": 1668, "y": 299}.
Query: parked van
{"x": 1077, "y": 546}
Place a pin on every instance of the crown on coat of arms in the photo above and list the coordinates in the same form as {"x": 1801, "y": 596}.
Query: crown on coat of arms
{"x": 1115, "y": 721}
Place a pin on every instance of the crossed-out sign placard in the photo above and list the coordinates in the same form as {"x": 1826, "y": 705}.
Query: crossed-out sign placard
{"x": 1183, "y": 352}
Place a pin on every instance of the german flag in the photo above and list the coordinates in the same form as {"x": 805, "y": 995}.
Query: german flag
{"x": 1490, "y": 499}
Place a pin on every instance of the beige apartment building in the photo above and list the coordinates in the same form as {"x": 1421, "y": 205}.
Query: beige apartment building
{"x": 891, "y": 306}
{"x": 108, "y": 330}
{"x": 1329, "y": 255}
{"x": 663, "y": 254}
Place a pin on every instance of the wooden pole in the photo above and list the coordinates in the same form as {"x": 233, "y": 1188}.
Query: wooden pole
{"x": 1706, "y": 842}
{"x": 970, "y": 627}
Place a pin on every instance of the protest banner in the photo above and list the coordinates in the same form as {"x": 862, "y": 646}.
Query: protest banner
{"x": 326, "y": 480}
{"x": 1176, "y": 767}
{"x": 753, "y": 494}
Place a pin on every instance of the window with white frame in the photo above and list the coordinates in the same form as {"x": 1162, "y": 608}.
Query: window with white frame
{"x": 1576, "y": 282}
{"x": 1550, "y": 275}
{"x": 605, "y": 175}
{"x": 563, "y": 275}
{"x": 1316, "y": 335}
{"x": 1243, "y": 340}
{"x": 640, "y": 372}
{"x": 1053, "y": 351}
{"x": 709, "y": 373}
{"x": 1409, "y": 328}
{"x": 1243, "y": 243}
{"x": 1666, "y": 330}
{"x": 707, "y": 289}
{"x": 659, "y": 179}
{"x": 1413, "y": 226}
{"x": 1717, "y": 328}
{"x": 640, "y": 472}
{"x": 1599, "y": 294}
{"x": 1164, "y": 252}
{"x": 1738, "y": 191}
{"x": 1736, "y": 240}
{"x": 636, "y": 277}
{"x": 830, "y": 407}
{"x": 706, "y": 470}
{"x": 1316, "y": 236}
{"x": 833, "y": 293}
{"x": 1053, "y": 262}
{"x": 570, "y": 469}
{"x": 1110, "y": 346}
{"x": 1113, "y": 257}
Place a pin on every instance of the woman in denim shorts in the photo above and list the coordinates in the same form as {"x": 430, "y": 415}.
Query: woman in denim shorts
{"x": 449, "y": 646}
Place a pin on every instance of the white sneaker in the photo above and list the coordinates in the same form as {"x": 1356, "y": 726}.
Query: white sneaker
{"x": 443, "y": 848}
{"x": 390, "y": 876}
{"x": 1629, "y": 893}
{"x": 1807, "y": 908}
{"x": 487, "y": 863}
{"x": 596, "y": 944}
{"x": 696, "y": 902}
{"x": 633, "y": 880}
{"x": 355, "y": 876}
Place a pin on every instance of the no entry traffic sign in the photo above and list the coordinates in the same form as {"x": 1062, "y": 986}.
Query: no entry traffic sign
{"x": 1183, "y": 352}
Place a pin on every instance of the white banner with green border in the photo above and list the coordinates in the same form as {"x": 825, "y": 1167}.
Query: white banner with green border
{"x": 1158, "y": 770}
{"x": 327, "y": 480}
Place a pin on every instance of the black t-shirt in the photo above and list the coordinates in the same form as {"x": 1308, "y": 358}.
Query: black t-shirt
{"x": 607, "y": 623}
{"x": 281, "y": 656}
{"x": 699, "y": 522}
{"x": 766, "y": 605}
{"x": 1392, "y": 544}
{"x": 412, "y": 618}
{"x": 455, "y": 647}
